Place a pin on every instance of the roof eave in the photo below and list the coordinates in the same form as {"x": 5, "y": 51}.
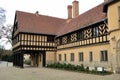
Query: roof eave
{"x": 36, "y": 33}
{"x": 83, "y": 27}
{"x": 107, "y": 4}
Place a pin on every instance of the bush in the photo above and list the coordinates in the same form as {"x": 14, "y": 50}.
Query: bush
{"x": 87, "y": 69}
{"x": 66, "y": 66}
{"x": 79, "y": 68}
{"x": 28, "y": 62}
{"x": 82, "y": 67}
{"x": 8, "y": 58}
{"x": 100, "y": 72}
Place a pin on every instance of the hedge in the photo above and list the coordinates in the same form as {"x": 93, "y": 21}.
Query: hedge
{"x": 78, "y": 68}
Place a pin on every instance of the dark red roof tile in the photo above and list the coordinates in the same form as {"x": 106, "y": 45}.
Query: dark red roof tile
{"x": 94, "y": 15}
{"x": 35, "y": 23}
{"x": 28, "y": 22}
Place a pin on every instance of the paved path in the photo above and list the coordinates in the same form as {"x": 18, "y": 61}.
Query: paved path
{"x": 12, "y": 73}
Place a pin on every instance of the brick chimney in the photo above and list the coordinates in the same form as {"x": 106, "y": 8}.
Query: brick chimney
{"x": 69, "y": 11}
{"x": 37, "y": 13}
{"x": 75, "y": 8}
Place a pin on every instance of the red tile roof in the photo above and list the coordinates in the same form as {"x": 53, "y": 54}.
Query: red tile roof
{"x": 92, "y": 16}
{"x": 28, "y": 22}
{"x": 35, "y": 23}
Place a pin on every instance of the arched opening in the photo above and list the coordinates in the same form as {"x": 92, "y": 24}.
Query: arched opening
{"x": 118, "y": 56}
{"x": 118, "y": 44}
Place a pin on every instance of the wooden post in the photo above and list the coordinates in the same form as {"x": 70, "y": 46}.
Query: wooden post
{"x": 44, "y": 59}
{"x": 21, "y": 60}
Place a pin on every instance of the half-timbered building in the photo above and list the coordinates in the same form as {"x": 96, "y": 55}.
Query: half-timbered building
{"x": 91, "y": 39}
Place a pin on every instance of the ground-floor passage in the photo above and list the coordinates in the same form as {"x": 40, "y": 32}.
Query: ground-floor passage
{"x": 37, "y": 58}
{"x": 13, "y": 73}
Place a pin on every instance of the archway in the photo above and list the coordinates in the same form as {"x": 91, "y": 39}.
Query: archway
{"x": 118, "y": 55}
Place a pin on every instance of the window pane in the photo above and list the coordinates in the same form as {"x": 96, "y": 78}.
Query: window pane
{"x": 64, "y": 57}
{"x": 81, "y": 58}
{"x": 72, "y": 56}
{"x": 104, "y": 55}
{"x": 59, "y": 57}
{"x": 95, "y": 32}
{"x": 90, "y": 56}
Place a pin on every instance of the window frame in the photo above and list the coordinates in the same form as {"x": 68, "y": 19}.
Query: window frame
{"x": 90, "y": 56}
{"x": 81, "y": 56}
{"x": 104, "y": 56}
{"x": 72, "y": 57}
{"x": 59, "y": 57}
{"x": 65, "y": 57}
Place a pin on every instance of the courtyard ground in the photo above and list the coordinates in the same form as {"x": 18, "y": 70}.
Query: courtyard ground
{"x": 31, "y": 73}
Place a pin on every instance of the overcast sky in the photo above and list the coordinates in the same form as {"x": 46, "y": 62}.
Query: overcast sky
{"x": 56, "y": 8}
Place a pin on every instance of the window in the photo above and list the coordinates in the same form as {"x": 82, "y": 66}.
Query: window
{"x": 72, "y": 56}
{"x": 81, "y": 57}
{"x": 64, "y": 57}
{"x": 118, "y": 44}
{"x": 104, "y": 55}
{"x": 80, "y": 35}
{"x": 59, "y": 57}
{"x": 90, "y": 56}
{"x": 50, "y": 38}
{"x": 95, "y": 32}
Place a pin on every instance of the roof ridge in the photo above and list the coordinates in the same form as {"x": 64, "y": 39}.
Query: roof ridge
{"x": 40, "y": 15}
{"x": 29, "y": 22}
{"x": 45, "y": 24}
{"x": 84, "y": 19}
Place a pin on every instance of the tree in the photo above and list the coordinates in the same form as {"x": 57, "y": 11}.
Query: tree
{"x": 7, "y": 56}
{"x": 1, "y": 51}
{"x": 6, "y": 32}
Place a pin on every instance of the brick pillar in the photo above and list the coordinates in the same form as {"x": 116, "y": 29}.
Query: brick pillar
{"x": 75, "y": 8}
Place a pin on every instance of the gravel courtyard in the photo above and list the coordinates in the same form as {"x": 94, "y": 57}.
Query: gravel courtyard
{"x": 12, "y": 73}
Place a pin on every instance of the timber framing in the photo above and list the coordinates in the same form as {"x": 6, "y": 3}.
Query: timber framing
{"x": 45, "y": 34}
{"x": 92, "y": 34}
{"x": 33, "y": 44}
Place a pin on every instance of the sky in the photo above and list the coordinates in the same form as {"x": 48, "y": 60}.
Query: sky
{"x": 55, "y": 8}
